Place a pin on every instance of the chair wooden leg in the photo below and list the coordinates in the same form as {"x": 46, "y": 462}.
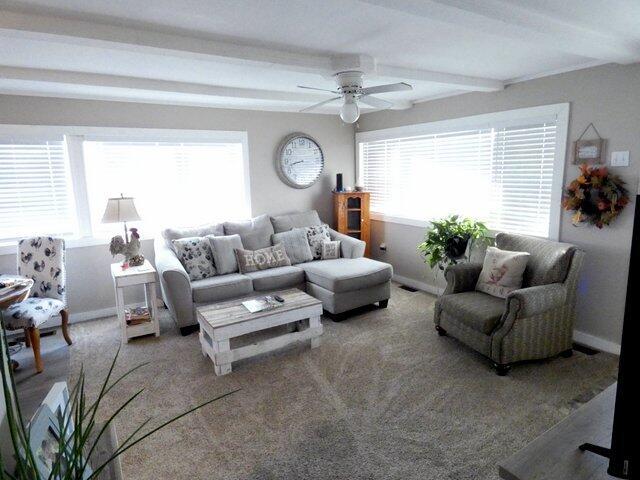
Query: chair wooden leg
{"x": 27, "y": 340}
{"x": 34, "y": 335}
{"x": 65, "y": 326}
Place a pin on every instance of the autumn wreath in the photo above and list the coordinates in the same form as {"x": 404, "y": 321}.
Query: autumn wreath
{"x": 596, "y": 196}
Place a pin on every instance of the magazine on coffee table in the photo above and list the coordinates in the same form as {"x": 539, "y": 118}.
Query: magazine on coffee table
{"x": 261, "y": 304}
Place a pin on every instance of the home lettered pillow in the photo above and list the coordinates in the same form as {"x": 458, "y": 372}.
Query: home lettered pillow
{"x": 502, "y": 272}
{"x": 263, "y": 259}
{"x": 195, "y": 255}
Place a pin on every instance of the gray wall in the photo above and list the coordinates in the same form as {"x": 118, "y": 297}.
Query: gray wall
{"x": 88, "y": 268}
{"x": 608, "y": 96}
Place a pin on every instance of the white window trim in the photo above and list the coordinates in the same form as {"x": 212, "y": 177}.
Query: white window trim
{"x": 75, "y": 135}
{"x": 558, "y": 112}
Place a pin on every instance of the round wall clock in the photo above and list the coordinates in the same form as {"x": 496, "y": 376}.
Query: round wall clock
{"x": 299, "y": 160}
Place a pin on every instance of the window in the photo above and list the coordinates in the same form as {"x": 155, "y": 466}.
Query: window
{"x": 174, "y": 184}
{"x": 35, "y": 187}
{"x": 56, "y": 180}
{"x": 505, "y": 169}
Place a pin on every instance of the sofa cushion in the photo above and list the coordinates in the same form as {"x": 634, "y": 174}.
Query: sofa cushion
{"x": 255, "y": 233}
{"x": 170, "y": 234}
{"x": 295, "y": 244}
{"x": 221, "y": 287}
{"x": 223, "y": 251}
{"x": 477, "y": 310}
{"x": 276, "y": 278}
{"x": 330, "y": 250}
{"x": 549, "y": 261}
{"x": 195, "y": 255}
{"x": 282, "y": 223}
{"x": 347, "y": 274}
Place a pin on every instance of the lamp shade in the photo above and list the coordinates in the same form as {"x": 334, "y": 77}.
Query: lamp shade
{"x": 120, "y": 209}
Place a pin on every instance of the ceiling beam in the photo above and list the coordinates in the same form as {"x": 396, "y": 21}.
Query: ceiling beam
{"x": 146, "y": 84}
{"x": 461, "y": 82}
{"x": 76, "y": 32}
{"x": 504, "y": 19}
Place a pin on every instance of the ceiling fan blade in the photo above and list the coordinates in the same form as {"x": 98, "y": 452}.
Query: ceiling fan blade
{"x": 319, "y": 89}
{"x": 391, "y": 87}
{"x": 313, "y": 107}
{"x": 375, "y": 102}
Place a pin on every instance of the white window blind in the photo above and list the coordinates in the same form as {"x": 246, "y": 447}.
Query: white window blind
{"x": 174, "y": 184}
{"x": 35, "y": 192}
{"x": 502, "y": 176}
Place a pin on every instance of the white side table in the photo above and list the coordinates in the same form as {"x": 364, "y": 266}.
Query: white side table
{"x": 143, "y": 275}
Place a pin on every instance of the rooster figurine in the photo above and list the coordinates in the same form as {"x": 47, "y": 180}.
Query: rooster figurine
{"x": 130, "y": 249}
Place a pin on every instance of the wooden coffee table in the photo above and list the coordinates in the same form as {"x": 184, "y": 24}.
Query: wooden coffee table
{"x": 223, "y": 321}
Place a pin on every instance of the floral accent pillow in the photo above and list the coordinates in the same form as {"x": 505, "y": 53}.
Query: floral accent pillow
{"x": 330, "y": 250}
{"x": 502, "y": 272}
{"x": 195, "y": 255}
{"x": 317, "y": 235}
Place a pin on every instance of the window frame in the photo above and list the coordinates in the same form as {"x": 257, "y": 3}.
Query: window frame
{"x": 75, "y": 136}
{"x": 558, "y": 112}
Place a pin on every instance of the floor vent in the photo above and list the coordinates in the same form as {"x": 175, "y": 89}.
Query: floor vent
{"x": 585, "y": 350}
{"x": 408, "y": 289}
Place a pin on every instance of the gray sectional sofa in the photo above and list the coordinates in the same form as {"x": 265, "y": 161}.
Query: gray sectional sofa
{"x": 342, "y": 284}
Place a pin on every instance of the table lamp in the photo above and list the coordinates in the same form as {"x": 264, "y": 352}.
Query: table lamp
{"x": 122, "y": 209}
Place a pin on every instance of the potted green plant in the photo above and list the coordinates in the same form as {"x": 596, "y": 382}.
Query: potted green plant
{"x": 77, "y": 443}
{"x": 446, "y": 240}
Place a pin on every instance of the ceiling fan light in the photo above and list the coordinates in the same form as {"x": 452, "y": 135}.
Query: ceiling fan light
{"x": 349, "y": 112}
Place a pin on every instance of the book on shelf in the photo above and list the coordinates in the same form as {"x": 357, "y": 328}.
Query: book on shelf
{"x": 137, "y": 315}
{"x": 261, "y": 304}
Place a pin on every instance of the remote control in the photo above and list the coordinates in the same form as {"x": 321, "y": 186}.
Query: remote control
{"x": 278, "y": 298}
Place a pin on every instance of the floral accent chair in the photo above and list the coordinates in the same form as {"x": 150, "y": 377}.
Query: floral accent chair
{"x": 41, "y": 259}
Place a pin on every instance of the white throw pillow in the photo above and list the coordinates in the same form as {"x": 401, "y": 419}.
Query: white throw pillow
{"x": 317, "y": 235}
{"x": 502, "y": 272}
{"x": 330, "y": 250}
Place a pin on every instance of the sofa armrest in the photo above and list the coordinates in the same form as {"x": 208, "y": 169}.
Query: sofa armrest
{"x": 530, "y": 301}
{"x": 174, "y": 284}
{"x": 462, "y": 277}
{"x": 349, "y": 247}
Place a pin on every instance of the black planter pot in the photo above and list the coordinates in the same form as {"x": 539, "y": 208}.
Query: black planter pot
{"x": 456, "y": 247}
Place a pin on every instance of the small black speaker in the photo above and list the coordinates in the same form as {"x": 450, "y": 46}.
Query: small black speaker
{"x": 338, "y": 182}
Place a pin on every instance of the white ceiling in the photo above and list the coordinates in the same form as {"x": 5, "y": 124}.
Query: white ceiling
{"x": 253, "y": 54}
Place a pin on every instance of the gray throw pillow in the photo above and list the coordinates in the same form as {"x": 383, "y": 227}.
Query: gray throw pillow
{"x": 316, "y": 236}
{"x": 282, "y": 223}
{"x": 330, "y": 250}
{"x": 295, "y": 244}
{"x": 263, "y": 259}
{"x": 224, "y": 255}
{"x": 170, "y": 234}
{"x": 255, "y": 233}
{"x": 195, "y": 255}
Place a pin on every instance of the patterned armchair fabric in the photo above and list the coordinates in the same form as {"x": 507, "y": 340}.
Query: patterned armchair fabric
{"x": 42, "y": 259}
{"x": 534, "y": 322}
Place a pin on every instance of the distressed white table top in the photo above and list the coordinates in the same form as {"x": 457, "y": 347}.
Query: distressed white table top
{"x": 231, "y": 312}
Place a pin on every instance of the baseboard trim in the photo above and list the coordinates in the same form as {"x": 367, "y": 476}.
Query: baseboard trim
{"x": 582, "y": 338}
{"x": 596, "y": 343}
{"x": 92, "y": 315}
{"x": 425, "y": 287}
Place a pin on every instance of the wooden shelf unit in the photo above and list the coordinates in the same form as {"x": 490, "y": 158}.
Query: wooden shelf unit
{"x": 351, "y": 216}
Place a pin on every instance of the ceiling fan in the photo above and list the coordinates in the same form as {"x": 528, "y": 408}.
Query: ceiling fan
{"x": 350, "y": 90}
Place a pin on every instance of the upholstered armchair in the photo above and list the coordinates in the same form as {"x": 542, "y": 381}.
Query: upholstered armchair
{"x": 41, "y": 259}
{"x": 533, "y": 322}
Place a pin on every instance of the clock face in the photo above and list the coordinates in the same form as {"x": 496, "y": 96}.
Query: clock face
{"x": 300, "y": 160}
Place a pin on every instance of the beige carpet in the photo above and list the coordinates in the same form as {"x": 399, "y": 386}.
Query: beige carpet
{"x": 383, "y": 397}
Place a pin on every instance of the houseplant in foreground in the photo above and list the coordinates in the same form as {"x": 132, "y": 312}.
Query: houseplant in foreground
{"x": 78, "y": 431}
{"x": 446, "y": 240}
